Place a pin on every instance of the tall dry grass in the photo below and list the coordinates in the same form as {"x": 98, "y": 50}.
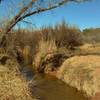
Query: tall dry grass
{"x": 64, "y": 35}
{"x": 82, "y": 72}
{"x": 45, "y": 48}
{"x": 13, "y": 85}
{"x": 42, "y": 41}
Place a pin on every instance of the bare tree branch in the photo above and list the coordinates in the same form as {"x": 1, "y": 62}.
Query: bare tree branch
{"x": 21, "y": 15}
{"x": 14, "y": 21}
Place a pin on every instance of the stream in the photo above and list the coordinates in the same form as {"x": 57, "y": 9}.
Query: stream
{"x": 50, "y": 88}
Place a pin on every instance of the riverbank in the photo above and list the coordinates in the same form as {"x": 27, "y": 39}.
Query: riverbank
{"x": 13, "y": 85}
{"x": 83, "y": 73}
{"x": 81, "y": 70}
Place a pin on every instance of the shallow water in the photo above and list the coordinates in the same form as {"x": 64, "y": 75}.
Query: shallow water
{"x": 50, "y": 88}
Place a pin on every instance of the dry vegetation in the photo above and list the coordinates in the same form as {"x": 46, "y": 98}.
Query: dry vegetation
{"x": 12, "y": 85}
{"x": 92, "y": 35}
{"x": 46, "y": 49}
{"x": 82, "y": 72}
{"x": 60, "y": 36}
{"x": 34, "y": 46}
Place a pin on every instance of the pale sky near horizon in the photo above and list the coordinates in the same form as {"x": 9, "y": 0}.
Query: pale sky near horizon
{"x": 84, "y": 15}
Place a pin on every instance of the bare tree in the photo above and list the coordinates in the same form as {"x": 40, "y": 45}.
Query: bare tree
{"x": 33, "y": 7}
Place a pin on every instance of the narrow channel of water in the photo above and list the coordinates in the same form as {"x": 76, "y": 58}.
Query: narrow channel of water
{"x": 50, "y": 88}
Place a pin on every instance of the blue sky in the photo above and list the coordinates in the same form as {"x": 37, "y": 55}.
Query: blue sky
{"x": 84, "y": 15}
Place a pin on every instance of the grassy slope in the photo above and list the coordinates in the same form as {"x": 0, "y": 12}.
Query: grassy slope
{"x": 12, "y": 85}
{"x": 83, "y": 71}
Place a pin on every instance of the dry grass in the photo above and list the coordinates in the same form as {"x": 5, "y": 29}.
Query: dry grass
{"x": 83, "y": 73}
{"x": 45, "y": 48}
{"x": 91, "y": 48}
{"x": 33, "y": 43}
{"x": 12, "y": 85}
{"x": 39, "y": 45}
{"x": 64, "y": 35}
{"x": 88, "y": 49}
